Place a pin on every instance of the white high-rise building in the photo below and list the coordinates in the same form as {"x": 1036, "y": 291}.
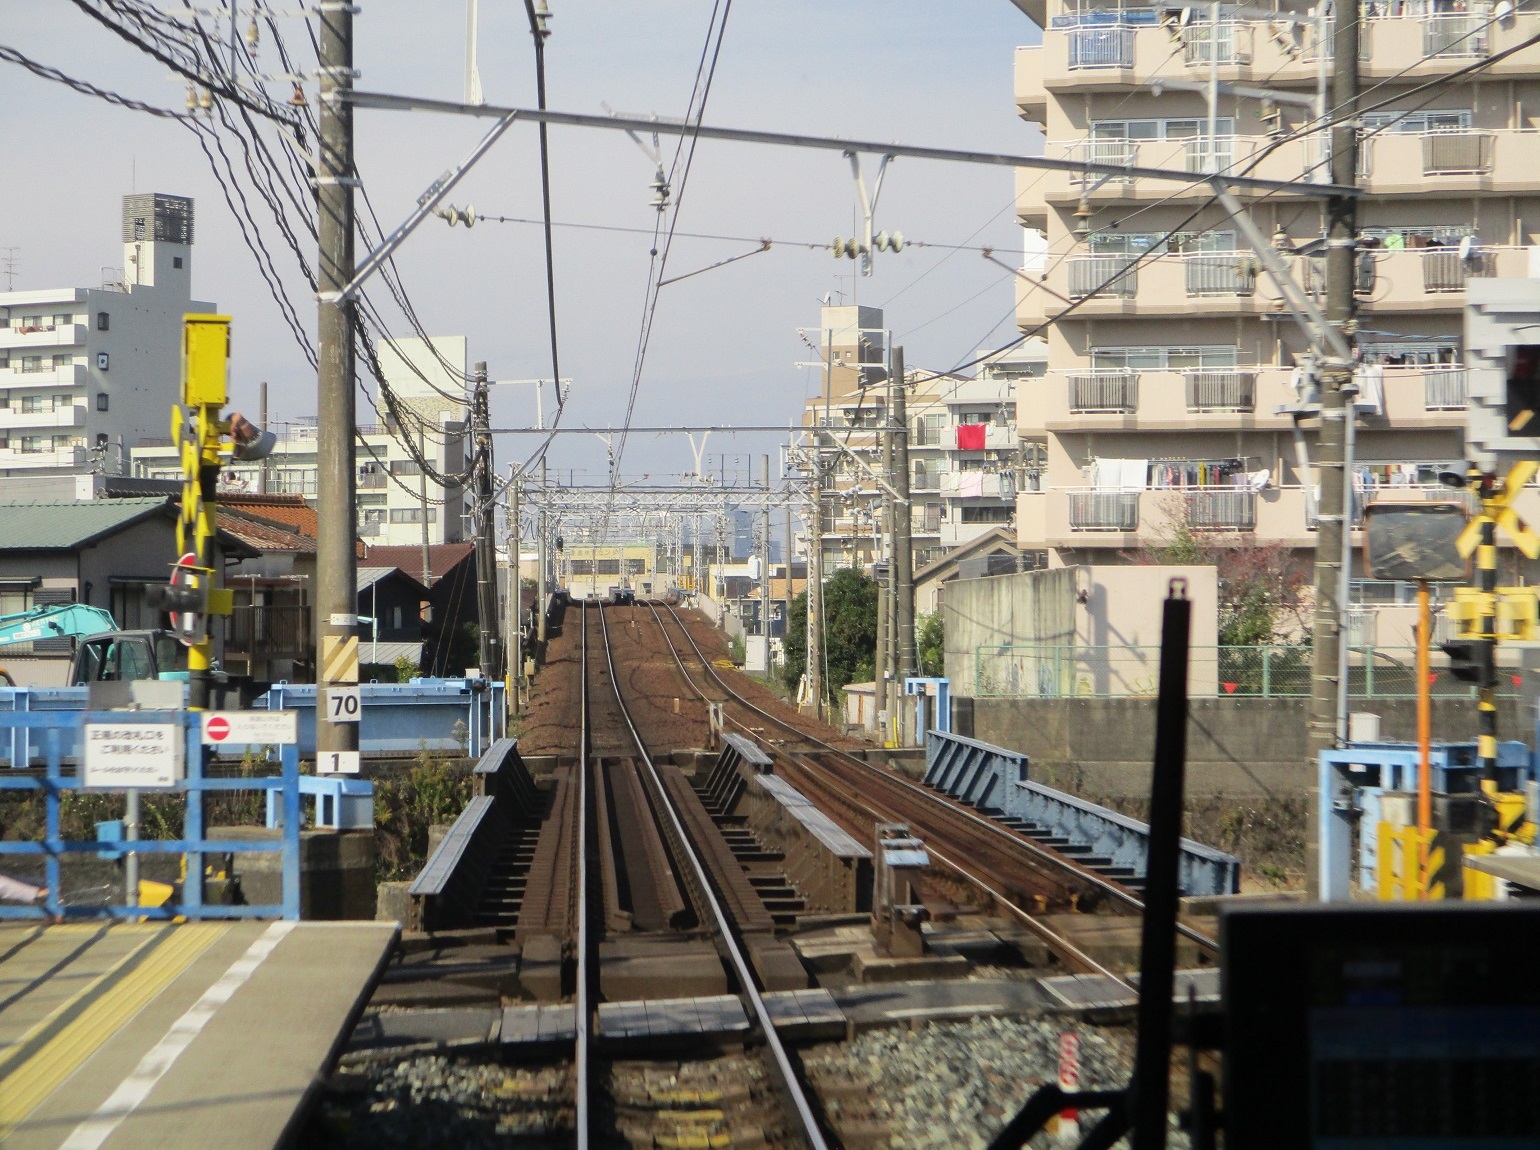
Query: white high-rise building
{"x": 86, "y": 372}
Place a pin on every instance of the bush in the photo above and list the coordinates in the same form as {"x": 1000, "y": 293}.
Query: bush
{"x": 434, "y": 789}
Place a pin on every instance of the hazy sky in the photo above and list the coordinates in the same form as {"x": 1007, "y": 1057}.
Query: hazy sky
{"x": 724, "y": 344}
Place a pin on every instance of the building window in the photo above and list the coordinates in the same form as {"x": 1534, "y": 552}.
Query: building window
{"x": 30, "y": 363}
{"x": 5, "y": 359}
{"x": 60, "y": 402}
{"x": 32, "y": 445}
{"x": 35, "y": 404}
{"x": 176, "y": 261}
{"x": 102, "y": 361}
{"x": 408, "y": 515}
{"x": 5, "y": 399}
{"x": 103, "y": 321}
{"x": 986, "y": 514}
{"x": 404, "y": 467}
{"x": 63, "y": 320}
{"x": 63, "y": 442}
{"x": 101, "y": 439}
{"x": 62, "y": 361}
{"x": 101, "y": 401}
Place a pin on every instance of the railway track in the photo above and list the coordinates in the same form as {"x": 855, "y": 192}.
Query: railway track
{"x": 624, "y": 799}
{"x": 1021, "y": 876}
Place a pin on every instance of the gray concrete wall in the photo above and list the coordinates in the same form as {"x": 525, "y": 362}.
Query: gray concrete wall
{"x": 1032, "y": 608}
{"x": 1237, "y": 748}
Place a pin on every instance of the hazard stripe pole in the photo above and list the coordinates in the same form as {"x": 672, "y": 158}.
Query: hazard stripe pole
{"x": 1486, "y": 570}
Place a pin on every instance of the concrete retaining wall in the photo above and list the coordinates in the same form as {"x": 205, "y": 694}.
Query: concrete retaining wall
{"x": 1238, "y": 748}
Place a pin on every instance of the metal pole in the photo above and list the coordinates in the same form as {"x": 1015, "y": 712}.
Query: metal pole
{"x": 903, "y": 545}
{"x": 815, "y": 590}
{"x": 764, "y": 567}
{"x": 1486, "y": 704}
{"x": 515, "y": 592}
{"x": 262, "y": 466}
{"x": 543, "y": 560}
{"x": 786, "y": 614}
{"x": 1424, "y": 738}
{"x": 1157, "y": 945}
{"x": 336, "y": 604}
{"x": 887, "y": 615}
{"x": 1336, "y": 382}
{"x": 491, "y": 647}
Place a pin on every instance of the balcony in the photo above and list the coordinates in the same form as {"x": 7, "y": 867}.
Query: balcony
{"x": 1232, "y": 274}
{"x": 1100, "y": 47}
{"x": 72, "y": 416}
{"x": 1104, "y": 392}
{"x": 996, "y": 437}
{"x": 1221, "y": 391}
{"x": 1113, "y": 277}
{"x": 977, "y": 485}
{"x": 1103, "y": 511}
{"x": 1219, "y": 509}
{"x": 17, "y": 460}
{"x": 1238, "y": 399}
{"x": 42, "y": 335}
{"x": 1457, "y": 153}
{"x": 1459, "y": 37}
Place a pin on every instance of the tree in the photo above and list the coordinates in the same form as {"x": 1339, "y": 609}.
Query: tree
{"x": 930, "y": 644}
{"x": 850, "y": 631}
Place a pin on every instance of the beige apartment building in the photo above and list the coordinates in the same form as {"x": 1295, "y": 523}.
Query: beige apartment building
{"x": 1161, "y": 400}
{"x": 966, "y": 462}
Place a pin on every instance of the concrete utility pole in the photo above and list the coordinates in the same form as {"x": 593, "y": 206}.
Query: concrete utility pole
{"x": 887, "y": 617}
{"x": 903, "y": 545}
{"x": 336, "y": 605}
{"x": 786, "y": 613}
{"x": 491, "y": 649}
{"x": 764, "y": 568}
{"x": 1333, "y": 524}
{"x": 544, "y": 561}
{"x": 815, "y": 587}
{"x": 515, "y": 673}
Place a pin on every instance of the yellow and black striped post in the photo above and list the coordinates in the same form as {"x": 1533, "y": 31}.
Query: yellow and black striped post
{"x": 1486, "y": 583}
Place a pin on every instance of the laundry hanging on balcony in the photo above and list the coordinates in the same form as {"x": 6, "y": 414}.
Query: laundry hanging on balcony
{"x": 1196, "y": 473}
{"x": 1120, "y": 474}
{"x": 970, "y": 483}
{"x": 970, "y": 436}
{"x": 1370, "y": 378}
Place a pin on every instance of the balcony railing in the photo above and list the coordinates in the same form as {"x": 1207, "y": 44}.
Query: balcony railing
{"x": 1120, "y": 153}
{"x": 1220, "y": 509}
{"x": 274, "y": 631}
{"x": 1205, "y": 154}
{"x": 1110, "y": 392}
{"x": 1455, "y": 35}
{"x": 1231, "y": 274}
{"x": 1444, "y": 390}
{"x": 371, "y": 480}
{"x": 1443, "y": 270}
{"x": 1104, "y": 510}
{"x": 1094, "y": 47}
{"x": 1457, "y": 153}
{"x": 1234, "y": 391}
{"x": 1116, "y": 276}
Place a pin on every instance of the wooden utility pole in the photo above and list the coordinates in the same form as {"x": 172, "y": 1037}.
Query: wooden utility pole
{"x": 1333, "y": 525}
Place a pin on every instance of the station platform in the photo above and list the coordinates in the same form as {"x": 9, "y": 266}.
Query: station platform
{"x": 143, "y": 1036}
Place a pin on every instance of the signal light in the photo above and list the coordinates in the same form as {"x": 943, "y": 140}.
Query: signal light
{"x": 1473, "y": 661}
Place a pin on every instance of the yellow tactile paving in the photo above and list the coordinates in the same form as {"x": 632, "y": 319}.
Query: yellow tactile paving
{"x": 106, "y": 1003}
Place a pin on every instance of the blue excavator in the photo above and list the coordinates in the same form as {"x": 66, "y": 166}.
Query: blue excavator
{"x": 102, "y": 652}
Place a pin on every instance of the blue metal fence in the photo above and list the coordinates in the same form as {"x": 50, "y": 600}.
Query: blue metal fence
{"x": 54, "y": 730}
{"x": 459, "y": 716}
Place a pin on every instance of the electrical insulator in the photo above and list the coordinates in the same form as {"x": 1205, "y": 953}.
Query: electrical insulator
{"x": 298, "y": 99}
{"x": 205, "y": 99}
{"x": 253, "y": 34}
{"x": 192, "y": 98}
{"x": 839, "y": 247}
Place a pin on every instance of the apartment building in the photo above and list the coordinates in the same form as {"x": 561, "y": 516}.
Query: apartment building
{"x": 398, "y": 504}
{"x": 1160, "y": 405}
{"x": 966, "y": 460}
{"x": 85, "y": 372}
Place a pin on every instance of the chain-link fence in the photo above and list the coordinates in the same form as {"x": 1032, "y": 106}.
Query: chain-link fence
{"x": 1249, "y": 672}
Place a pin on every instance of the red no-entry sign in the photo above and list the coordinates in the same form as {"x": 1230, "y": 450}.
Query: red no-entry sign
{"x": 218, "y": 729}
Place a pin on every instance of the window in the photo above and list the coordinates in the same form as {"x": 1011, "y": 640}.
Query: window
{"x": 176, "y": 261}
{"x": 101, "y": 401}
{"x": 1137, "y": 243}
{"x": 5, "y": 399}
{"x": 35, "y": 404}
{"x": 985, "y": 514}
{"x": 1453, "y": 120}
{"x": 32, "y": 445}
{"x": 5, "y": 359}
{"x": 103, "y": 321}
{"x": 63, "y": 319}
{"x": 405, "y": 467}
{"x": 1421, "y": 353}
{"x": 1162, "y": 358}
{"x": 31, "y": 363}
{"x": 15, "y": 598}
{"x": 102, "y": 361}
{"x": 62, "y": 361}
{"x": 64, "y": 442}
{"x": 1158, "y": 129}
{"x": 101, "y": 439}
{"x": 408, "y": 515}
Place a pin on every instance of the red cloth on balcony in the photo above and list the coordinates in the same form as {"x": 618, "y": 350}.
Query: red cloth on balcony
{"x": 970, "y": 437}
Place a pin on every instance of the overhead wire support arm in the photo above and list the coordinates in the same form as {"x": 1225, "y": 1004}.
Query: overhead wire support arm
{"x": 383, "y": 101}
{"x": 429, "y": 200}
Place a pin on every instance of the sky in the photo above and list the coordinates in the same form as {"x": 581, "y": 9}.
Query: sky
{"x": 724, "y": 345}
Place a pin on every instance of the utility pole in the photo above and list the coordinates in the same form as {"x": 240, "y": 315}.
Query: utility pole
{"x": 903, "y": 546}
{"x": 764, "y": 569}
{"x": 491, "y": 651}
{"x": 815, "y": 585}
{"x": 262, "y": 422}
{"x": 336, "y": 602}
{"x": 1333, "y": 525}
{"x": 515, "y": 674}
{"x": 886, "y": 617}
{"x": 786, "y": 613}
{"x": 544, "y": 560}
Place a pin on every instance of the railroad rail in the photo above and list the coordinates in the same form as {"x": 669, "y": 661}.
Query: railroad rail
{"x": 868, "y": 794}
{"x": 716, "y": 915}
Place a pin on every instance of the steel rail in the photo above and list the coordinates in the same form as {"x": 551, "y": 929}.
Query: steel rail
{"x": 581, "y": 1006}
{"x": 1061, "y": 945}
{"x": 741, "y": 968}
{"x": 1113, "y": 890}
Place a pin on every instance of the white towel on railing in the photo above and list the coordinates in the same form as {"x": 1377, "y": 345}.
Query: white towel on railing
{"x": 1120, "y": 474}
